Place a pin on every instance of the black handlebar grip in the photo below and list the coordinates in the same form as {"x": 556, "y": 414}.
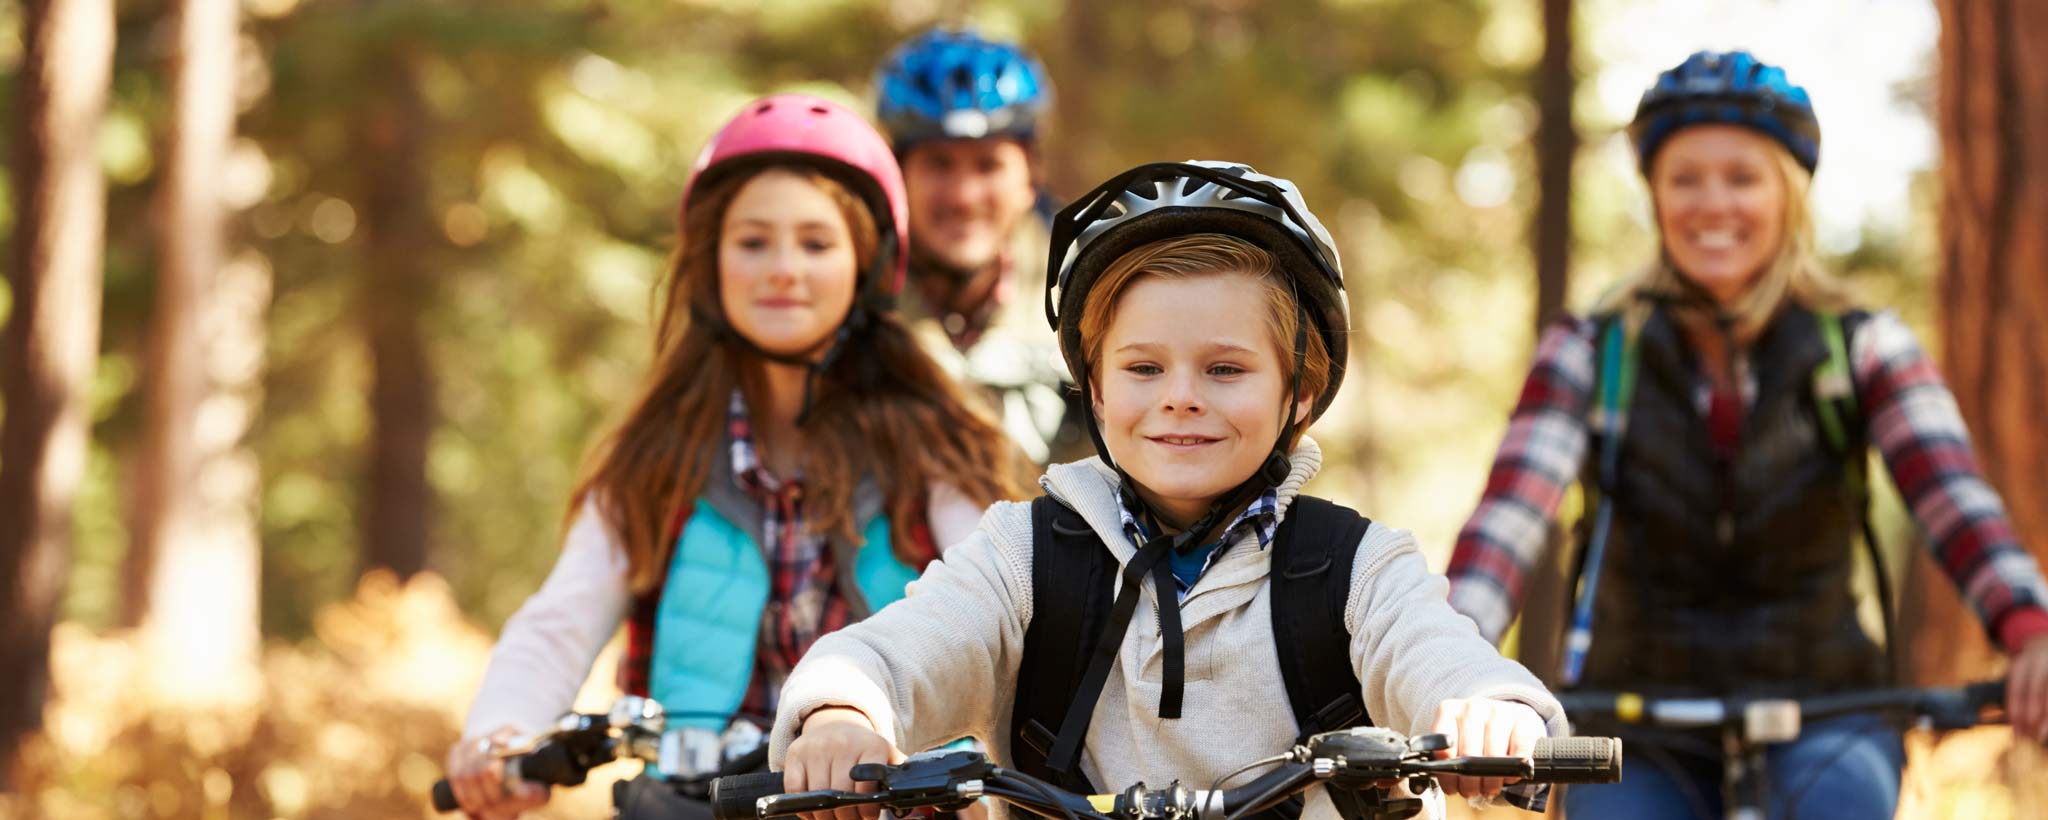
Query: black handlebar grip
{"x": 444, "y": 797}
{"x": 553, "y": 764}
{"x": 1493, "y": 767}
{"x": 733, "y": 798}
{"x": 1577, "y": 760}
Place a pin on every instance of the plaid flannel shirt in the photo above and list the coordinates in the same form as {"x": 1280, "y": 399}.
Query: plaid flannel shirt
{"x": 804, "y": 601}
{"x": 1262, "y": 517}
{"x": 1913, "y": 423}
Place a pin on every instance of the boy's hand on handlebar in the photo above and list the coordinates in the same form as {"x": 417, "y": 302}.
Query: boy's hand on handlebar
{"x": 476, "y": 773}
{"x": 2026, "y": 690}
{"x": 829, "y": 744}
{"x": 1482, "y": 727}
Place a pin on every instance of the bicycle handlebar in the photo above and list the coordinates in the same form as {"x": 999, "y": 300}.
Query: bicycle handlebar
{"x": 1958, "y": 707}
{"x": 1358, "y": 759}
{"x": 580, "y": 742}
{"x": 551, "y": 763}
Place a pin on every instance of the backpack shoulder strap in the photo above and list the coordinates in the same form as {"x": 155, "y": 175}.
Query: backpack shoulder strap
{"x": 1071, "y": 576}
{"x": 1313, "y": 554}
{"x": 1834, "y": 385}
{"x": 1841, "y": 426}
{"x": 1618, "y": 363}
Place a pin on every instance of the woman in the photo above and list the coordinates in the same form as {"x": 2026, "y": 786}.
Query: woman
{"x": 1739, "y": 388}
{"x": 792, "y": 460}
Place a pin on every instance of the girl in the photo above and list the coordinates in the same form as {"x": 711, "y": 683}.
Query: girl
{"x": 1202, "y": 311}
{"x": 792, "y": 459}
{"x": 1734, "y": 508}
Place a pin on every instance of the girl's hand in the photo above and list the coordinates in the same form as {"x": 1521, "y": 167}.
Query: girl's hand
{"x": 1485, "y": 728}
{"x": 829, "y": 744}
{"x": 476, "y": 774}
{"x": 2026, "y": 690}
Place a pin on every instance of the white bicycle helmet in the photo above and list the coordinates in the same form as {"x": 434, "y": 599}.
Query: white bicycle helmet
{"x": 1167, "y": 199}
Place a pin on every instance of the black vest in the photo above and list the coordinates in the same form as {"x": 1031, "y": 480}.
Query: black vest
{"x": 1730, "y": 578}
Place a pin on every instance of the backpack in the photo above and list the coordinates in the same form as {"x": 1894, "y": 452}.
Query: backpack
{"x": 1071, "y": 577}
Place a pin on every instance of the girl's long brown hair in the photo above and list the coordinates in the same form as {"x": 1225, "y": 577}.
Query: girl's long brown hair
{"x": 883, "y": 409}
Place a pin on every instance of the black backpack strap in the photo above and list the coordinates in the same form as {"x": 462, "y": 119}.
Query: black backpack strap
{"x": 1071, "y": 575}
{"x": 1313, "y": 554}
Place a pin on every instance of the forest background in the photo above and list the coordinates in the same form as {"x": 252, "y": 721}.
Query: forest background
{"x": 369, "y": 274}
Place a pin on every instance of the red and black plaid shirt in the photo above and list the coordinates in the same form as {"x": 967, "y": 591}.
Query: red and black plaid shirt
{"x": 803, "y": 599}
{"x": 1913, "y": 423}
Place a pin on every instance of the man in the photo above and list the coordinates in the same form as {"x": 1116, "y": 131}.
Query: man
{"x": 964, "y": 114}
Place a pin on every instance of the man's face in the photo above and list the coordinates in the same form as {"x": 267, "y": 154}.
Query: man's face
{"x": 966, "y": 195}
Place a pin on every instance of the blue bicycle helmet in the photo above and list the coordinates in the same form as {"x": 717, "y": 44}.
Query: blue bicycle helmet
{"x": 955, "y": 85}
{"x": 1734, "y": 88}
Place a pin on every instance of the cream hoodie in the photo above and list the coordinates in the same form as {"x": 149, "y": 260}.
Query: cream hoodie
{"x": 942, "y": 663}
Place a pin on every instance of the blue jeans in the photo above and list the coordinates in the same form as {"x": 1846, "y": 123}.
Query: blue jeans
{"x": 1846, "y": 767}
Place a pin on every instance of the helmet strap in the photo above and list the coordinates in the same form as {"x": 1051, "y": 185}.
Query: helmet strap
{"x": 870, "y": 303}
{"x": 1271, "y": 472}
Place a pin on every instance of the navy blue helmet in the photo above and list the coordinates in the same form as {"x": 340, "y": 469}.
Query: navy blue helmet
{"x": 1733, "y": 88}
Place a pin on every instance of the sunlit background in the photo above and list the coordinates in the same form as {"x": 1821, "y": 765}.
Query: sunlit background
{"x": 548, "y": 142}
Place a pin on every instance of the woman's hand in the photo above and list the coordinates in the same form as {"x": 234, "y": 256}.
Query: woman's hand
{"x": 1485, "y": 728}
{"x": 829, "y": 744}
{"x": 2026, "y": 690}
{"x": 476, "y": 774}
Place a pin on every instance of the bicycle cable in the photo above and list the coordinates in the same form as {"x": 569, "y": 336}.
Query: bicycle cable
{"x": 1041, "y": 787}
{"x": 1283, "y": 757}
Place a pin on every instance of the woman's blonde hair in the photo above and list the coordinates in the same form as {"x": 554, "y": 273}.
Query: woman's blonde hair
{"x": 1209, "y": 254}
{"x": 1794, "y": 275}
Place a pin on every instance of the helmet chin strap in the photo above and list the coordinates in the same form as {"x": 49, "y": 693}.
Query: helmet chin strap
{"x": 1693, "y": 297}
{"x": 859, "y": 316}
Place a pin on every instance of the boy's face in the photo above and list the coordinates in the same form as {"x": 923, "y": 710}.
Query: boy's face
{"x": 966, "y": 195}
{"x": 1189, "y": 389}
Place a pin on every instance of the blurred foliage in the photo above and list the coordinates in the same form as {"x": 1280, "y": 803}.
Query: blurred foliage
{"x": 355, "y": 723}
{"x": 558, "y": 134}
{"x": 352, "y": 724}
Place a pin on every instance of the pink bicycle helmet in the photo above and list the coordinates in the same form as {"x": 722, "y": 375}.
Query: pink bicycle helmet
{"x": 814, "y": 130}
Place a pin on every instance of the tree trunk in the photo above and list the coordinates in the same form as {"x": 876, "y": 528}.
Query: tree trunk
{"x": 52, "y": 335}
{"x": 1544, "y": 605}
{"x": 1078, "y": 49}
{"x": 397, "y": 291}
{"x": 1557, "y": 141}
{"x": 195, "y": 564}
{"x": 1993, "y": 119}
